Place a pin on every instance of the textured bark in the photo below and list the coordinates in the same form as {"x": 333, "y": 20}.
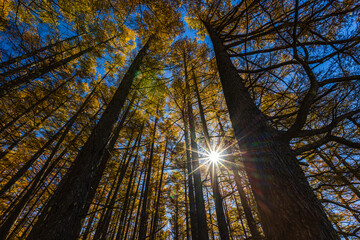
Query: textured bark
{"x": 287, "y": 205}
{"x": 245, "y": 204}
{"x": 61, "y": 218}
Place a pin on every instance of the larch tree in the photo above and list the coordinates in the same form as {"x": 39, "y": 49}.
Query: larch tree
{"x": 206, "y": 119}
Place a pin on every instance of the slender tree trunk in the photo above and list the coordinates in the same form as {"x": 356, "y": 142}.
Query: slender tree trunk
{"x": 127, "y": 195}
{"x": 220, "y": 215}
{"x": 27, "y": 133}
{"x": 199, "y": 195}
{"x": 60, "y": 218}
{"x": 144, "y": 211}
{"x": 193, "y": 212}
{"x": 10, "y": 85}
{"x": 140, "y": 199}
{"x": 245, "y": 204}
{"x": 33, "y": 53}
{"x": 14, "y": 120}
{"x": 287, "y": 205}
{"x": 186, "y": 209}
{"x": 210, "y": 216}
{"x": 67, "y": 127}
{"x": 154, "y": 228}
{"x": 108, "y": 213}
{"x": 176, "y": 218}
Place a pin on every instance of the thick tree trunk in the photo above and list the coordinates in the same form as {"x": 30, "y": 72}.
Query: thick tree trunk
{"x": 61, "y": 218}
{"x": 287, "y": 205}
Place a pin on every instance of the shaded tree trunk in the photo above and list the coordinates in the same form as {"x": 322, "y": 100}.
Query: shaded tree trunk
{"x": 199, "y": 195}
{"x": 154, "y": 227}
{"x": 144, "y": 211}
{"x": 193, "y": 212}
{"x": 245, "y": 204}
{"x": 10, "y": 85}
{"x": 287, "y": 205}
{"x": 61, "y": 218}
{"x": 220, "y": 215}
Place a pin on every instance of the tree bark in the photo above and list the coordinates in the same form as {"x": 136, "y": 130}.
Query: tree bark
{"x": 60, "y": 218}
{"x": 287, "y": 205}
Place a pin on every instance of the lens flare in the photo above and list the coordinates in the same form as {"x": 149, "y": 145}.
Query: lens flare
{"x": 214, "y": 157}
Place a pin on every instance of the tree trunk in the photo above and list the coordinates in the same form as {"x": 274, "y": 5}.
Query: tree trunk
{"x": 154, "y": 228}
{"x": 287, "y": 205}
{"x": 14, "y": 120}
{"x": 109, "y": 210}
{"x": 67, "y": 127}
{"x": 10, "y": 85}
{"x": 144, "y": 211}
{"x": 33, "y": 53}
{"x": 199, "y": 195}
{"x": 60, "y": 218}
{"x": 127, "y": 195}
{"x": 193, "y": 212}
{"x": 220, "y": 215}
{"x": 245, "y": 204}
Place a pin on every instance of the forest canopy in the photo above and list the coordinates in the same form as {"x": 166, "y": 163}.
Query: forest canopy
{"x": 179, "y": 119}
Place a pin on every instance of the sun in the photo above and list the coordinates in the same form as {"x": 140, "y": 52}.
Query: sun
{"x": 214, "y": 156}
